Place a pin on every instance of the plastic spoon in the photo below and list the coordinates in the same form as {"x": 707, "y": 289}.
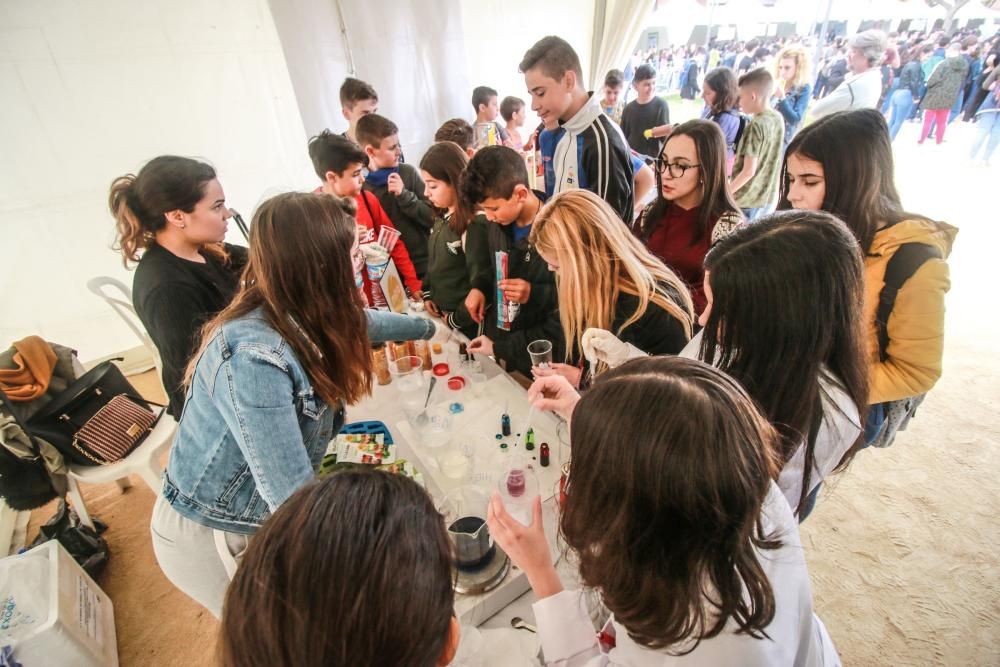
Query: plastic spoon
{"x": 518, "y": 624}
{"x": 422, "y": 418}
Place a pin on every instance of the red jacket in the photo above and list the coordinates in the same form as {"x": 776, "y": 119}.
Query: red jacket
{"x": 373, "y": 216}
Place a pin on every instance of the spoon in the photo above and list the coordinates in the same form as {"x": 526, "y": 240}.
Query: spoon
{"x": 422, "y": 418}
{"x": 518, "y": 624}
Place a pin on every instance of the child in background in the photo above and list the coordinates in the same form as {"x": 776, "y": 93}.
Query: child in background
{"x": 793, "y": 92}
{"x": 512, "y": 111}
{"x": 645, "y": 112}
{"x": 591, "y": 153}
{"x": 397, "y": 186}
{"x": 721, "y": 94}
{"x": 458, "y": 131}
{"x": 360, "y": 532}
{"x": 697, "y": 568}
{"x": 484, "y": 102}
{"x": 338, "y": 163}
{"x": 612, "y": 104}
{"x": 758, "y": 156}
{"x": 458, "y": 252}
{"x": 357, "y": 99}
{"x": 496, "y": 182}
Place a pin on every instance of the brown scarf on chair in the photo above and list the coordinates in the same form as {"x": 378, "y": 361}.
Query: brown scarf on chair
{"x": 34, "y": 362}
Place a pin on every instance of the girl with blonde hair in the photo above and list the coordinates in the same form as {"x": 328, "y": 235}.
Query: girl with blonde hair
{"x": 606, "y": 278}
{"x": 793, "y": 92}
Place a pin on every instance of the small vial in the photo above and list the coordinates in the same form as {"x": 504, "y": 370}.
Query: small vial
{"x": 529, "y": 439}
{"x": 505, "y": 424}
{"x": 544, "y": 455}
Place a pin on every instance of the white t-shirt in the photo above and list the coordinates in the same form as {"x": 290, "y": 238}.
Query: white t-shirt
{"x": 839, "y": 429}
{"x": 797, "y": 636}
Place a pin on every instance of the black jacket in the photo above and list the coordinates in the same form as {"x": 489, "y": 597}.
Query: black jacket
{"x": 537, "y": 319}
{"x": 912, "y": 77}
{"x": 174, "y": 297}
{"x": 655, "y": 332}
{"x": 454, "y": 267}
{"x": 410, "y": 213}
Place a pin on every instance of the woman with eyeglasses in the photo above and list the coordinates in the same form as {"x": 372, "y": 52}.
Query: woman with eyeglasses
{"x": 694, "y": 208}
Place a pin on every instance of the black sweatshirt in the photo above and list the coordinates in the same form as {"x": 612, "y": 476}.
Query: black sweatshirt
{"x": 174, "y": 297}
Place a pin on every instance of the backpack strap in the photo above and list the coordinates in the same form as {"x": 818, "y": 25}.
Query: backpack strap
{"x": 907, "y": 259}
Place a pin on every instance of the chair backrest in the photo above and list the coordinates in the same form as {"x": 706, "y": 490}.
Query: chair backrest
{"x": 121, "y": 303}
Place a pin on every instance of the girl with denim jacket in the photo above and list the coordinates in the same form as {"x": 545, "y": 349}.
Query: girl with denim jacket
{"x": 267, "y": 389}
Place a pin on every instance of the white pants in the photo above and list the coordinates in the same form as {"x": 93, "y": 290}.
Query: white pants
{"x": 191, "y": 555}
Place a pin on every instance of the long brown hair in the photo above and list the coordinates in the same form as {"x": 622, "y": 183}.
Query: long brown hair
{"x": 140, "y": 201}
{"x": 354, "y": 569}
{"x": 301, "y": 275}
{"x": 446, "y": 161}
{"x": 664, "y": 514}
{"x": 787, "y": 294}
{"x": 722, "y": 81}
{"x": 598, "y": 261}
{"x": 855, "y": 150}
{"x": 717, "y": 200}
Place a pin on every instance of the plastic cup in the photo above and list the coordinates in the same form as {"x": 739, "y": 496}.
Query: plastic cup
{"x": 408, "y": 378}
{"x": 540, "y": 352}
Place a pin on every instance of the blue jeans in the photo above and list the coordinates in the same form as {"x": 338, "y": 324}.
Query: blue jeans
{"x": 900, "y": 104}
{"x": 988, "y": 126}
{"x": 957, "y": 109}
{"x": 874, "y": 424}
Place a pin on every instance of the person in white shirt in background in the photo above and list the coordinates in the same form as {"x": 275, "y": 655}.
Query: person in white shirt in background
{"x": 863, "y": 86}
{"x": 676, "y": 521}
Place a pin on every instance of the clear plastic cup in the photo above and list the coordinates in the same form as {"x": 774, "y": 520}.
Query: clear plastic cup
{"x": 540, "y": 352}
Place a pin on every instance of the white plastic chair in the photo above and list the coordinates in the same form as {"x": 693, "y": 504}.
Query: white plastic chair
{"x": 122, "y": 305}
{"x": 144, "y": 461}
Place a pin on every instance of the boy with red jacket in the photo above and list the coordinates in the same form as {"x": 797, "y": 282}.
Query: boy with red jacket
{"x": 338, "y": 163}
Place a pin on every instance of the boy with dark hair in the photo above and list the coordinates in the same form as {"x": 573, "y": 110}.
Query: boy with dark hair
{"x": 592, "y": 152}
{"x": 458, "y": 130}
{"x": 512, "y": 112}
{"x": 758, "y": 155}
{"x": 496, "y": 182}
{"x": 338, "y": 162}
{"x": 747, "y": 59}
{"x": 612, "y": 104}
{"x": 357, "y": 99}
{"x": 645, "y": 112}
{"x": 397, "y": 186}
{"x": 484, "y": 101}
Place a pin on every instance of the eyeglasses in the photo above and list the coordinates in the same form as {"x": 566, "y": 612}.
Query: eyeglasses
{"x": 675, "y": 169}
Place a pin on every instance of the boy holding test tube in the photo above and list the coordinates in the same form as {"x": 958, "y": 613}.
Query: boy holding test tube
{"x": 496, "y": 182}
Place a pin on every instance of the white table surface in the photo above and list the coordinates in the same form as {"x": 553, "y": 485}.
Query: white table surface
{"x": 491, "y": 639}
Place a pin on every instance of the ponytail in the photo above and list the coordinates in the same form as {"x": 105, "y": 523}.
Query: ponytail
{"x": 139, "y": 202}
{"x": 130, "y": 235}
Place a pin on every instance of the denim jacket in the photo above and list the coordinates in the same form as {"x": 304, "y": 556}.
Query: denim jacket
{"x": 253, "y": 430}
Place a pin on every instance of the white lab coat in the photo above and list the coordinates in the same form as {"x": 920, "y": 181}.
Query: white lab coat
{"x": 839, "y": 429}
{"x": 797, "y": 637}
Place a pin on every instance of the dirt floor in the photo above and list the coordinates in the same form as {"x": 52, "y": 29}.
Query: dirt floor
{"x": 902, "y": 546}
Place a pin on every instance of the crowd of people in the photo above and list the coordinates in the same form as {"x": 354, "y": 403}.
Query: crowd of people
{"x": 716, "y": 361}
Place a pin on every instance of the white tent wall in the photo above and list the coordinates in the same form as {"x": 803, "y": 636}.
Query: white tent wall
{"x": 423, "y": 58}
{"x": 91, "y": 91}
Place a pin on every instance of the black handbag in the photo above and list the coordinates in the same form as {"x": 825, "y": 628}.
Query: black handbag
{"x": 99, "y": 419}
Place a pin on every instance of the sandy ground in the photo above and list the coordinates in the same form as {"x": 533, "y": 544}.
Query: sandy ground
{"x": 901, "y": 547}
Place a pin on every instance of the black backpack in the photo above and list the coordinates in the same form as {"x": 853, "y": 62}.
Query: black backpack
{"x": 909, "y": 257}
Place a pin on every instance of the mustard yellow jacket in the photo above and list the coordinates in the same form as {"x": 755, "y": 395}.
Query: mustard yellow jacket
{"x": 916, "y": 325}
